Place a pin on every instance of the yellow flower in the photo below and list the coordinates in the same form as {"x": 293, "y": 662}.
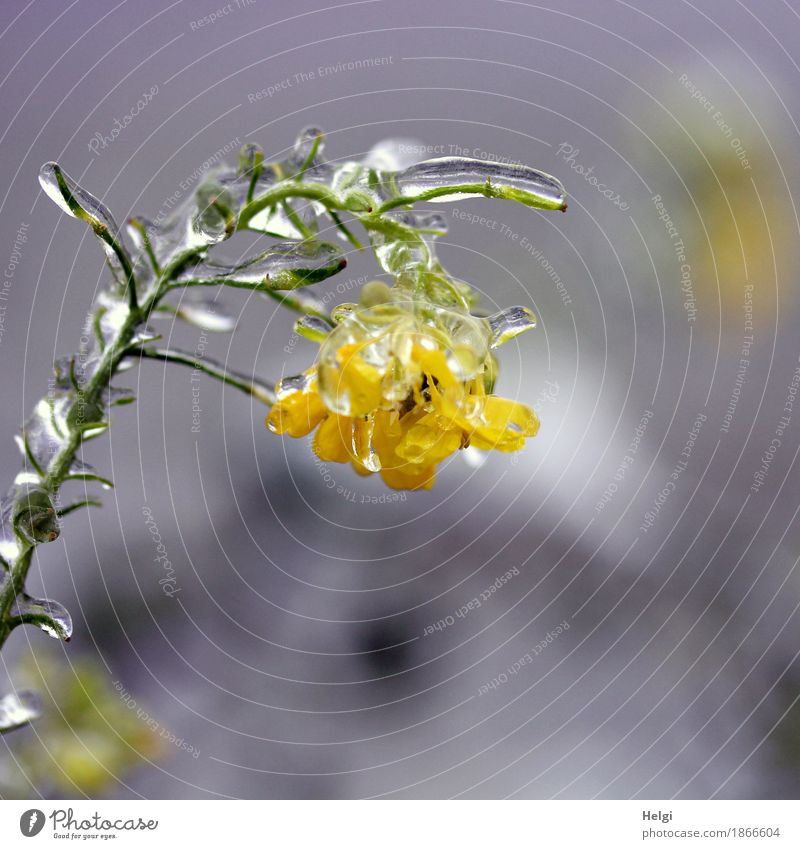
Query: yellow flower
{"x": 399, "y": 388}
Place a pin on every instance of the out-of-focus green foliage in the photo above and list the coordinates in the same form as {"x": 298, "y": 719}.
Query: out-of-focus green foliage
{"x": 87, "y": 739}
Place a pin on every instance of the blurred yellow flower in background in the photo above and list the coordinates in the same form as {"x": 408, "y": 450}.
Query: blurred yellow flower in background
{"x": 88, "y": 738}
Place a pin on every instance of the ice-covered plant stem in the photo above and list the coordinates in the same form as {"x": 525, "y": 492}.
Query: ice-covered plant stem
{"x": 289, "y": 202}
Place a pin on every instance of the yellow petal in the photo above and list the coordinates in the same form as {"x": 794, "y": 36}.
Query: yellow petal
{"x": 356, "y": 383}
{"x": 397, "y": 472}
{"x": 341, "y": 439}
{"x": 422, "y": 477}
{"x": 488, "y": 421}
{"x": 452, "y": 407}
{"x": 389, "y": 430}
{"x": 507, "y": 414}
{"x": 504, "y": 425}
{"x": 297, "y": 414}
{"x": 427, "y": 442}
{"x": 434, "y": 363}
{"x": 332, "y": 439}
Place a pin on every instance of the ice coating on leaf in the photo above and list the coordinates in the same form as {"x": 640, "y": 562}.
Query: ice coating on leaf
{"x": 274, "y": 220}
{"x": 286, "y": 265}
{"x": 415, "y": 253}
{"x": 143, "y": 232}
{"x": 145, "y": 335}
{"x": 295, "y": 383}
{"x": 110, "y": 315}
{"x": 399, "y": 258}
{"x": 300, "y": 300}
{"x": 113, "y": 316}
{"x": 343, "y": 178}
{"x": 304, "y": 146}
{"x": 206, "y": 314}
{"x": 235, "y": 185}
{"x": 179, "y": 235}
{"x": 33, "y": 515}
{"x": 166, "y": 238}
{"x": 66, "y": 194}
{"x": 453, "y": 178}
{"x": 264, "y": 390}
{"x": 80, "y": 467}
{"x": 251, "y": 157}
{"x": 509, "y": 323}
{"x": 217, "y": 210}
{"x": 78, "y": 203}
{"x": 312, "y": 327}
{"x": 207, "y": 216}
{"x": 26, "y": 477}
{"x": 27, "y": 517}
{"x": 346, "y": 181}
{"x": 431, "y": 223}
{"x": 71, "y": 373}
{"x": 393, "y": 154}
{"x": 238, "y": 185}
{"x": 116, "y": 396}
{"x": 51, "y": 616}
{"x": 9, "y": 544}
{"x": 18, "y": 709}
{"x": 80, "y": 471}
{"x": 45, "y": 432}
{"x": 63, "y": 370}
{"x": 342, "y": 311}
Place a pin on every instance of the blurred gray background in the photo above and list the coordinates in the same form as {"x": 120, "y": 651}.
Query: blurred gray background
{"x": 298, "y": 658}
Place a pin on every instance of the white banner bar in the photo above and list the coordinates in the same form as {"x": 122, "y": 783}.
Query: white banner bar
{"x": 402, "y": 824}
